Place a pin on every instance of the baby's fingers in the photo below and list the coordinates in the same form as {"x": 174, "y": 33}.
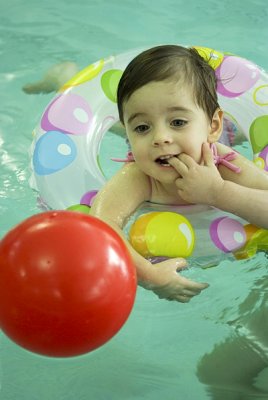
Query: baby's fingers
{"x": 196, "y": 287}
{"x": 185, "y": 296}
{"x": 180, "y": 264}
{"x": 193, "y": 286}
{"x": 182, "y": 299}
{"x": 178, "y": 165}
{"x": 207, "y": 155}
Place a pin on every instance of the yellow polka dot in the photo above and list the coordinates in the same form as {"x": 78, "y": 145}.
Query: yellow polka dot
{"x": 213, "y": 57}
{"x": 137, "y": 233}
{"x": 260, "y": 95}
{"x": 85, "y": 75}
{"x": 259, "y": 162}
{"x": 169, "y": 234}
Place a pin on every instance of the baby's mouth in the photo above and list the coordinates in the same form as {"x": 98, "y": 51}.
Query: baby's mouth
{"x": 163, "y": 160}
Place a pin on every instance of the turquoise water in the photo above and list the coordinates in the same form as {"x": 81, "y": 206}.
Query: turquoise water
{"x": 212, "y": 348}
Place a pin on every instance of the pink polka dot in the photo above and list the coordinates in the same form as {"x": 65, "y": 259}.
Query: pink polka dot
{"x": 227, "y": 234}
{"x": 68, "y": 113}
{"x": 235, "y": 76}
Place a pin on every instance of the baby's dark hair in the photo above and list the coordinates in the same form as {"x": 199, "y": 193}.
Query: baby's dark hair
{"x": 166, "y": 63}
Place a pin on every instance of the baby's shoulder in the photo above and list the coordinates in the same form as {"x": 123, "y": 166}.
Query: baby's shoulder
{"x": 222, "y": 149}
{"x": 246, "y": 172}
{"x": 132, "y": 178}
{"x": 131, "y": 170}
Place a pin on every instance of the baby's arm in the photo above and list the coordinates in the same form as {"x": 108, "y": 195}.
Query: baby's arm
{"x": 114, "y": 204}
{"x": 244, "y": 194}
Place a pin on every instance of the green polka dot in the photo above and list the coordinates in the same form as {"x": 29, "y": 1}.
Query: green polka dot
{"x": 109, "y": 83}
{"x": 258, "y": 133}
{"x": 80, "y": 208}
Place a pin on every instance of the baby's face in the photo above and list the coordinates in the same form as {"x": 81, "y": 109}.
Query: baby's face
{"x": 162, "y": 120}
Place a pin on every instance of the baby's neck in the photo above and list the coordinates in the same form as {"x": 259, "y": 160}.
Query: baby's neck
{"x": 165, "y": 194}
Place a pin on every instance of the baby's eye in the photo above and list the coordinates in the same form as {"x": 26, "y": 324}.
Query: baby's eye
{"x": 178, "y": 122}
{"x": 141, "y": 128}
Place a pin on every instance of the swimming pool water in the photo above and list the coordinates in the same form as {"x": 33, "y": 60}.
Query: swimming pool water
{"x": 165, "y": 350}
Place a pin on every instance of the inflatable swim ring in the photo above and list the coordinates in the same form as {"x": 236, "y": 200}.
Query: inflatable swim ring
{"x": 65, "y": 153}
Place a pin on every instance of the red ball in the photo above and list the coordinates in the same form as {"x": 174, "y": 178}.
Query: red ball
{"x": 67, "y": 283}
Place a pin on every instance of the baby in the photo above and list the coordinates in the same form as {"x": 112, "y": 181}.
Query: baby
{"x": 168, "y": 105}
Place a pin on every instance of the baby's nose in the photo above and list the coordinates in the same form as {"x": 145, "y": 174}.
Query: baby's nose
{"x": 162, "y": 137}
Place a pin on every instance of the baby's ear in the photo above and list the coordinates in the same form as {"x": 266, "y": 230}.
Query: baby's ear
{"x": 216, "y": 126}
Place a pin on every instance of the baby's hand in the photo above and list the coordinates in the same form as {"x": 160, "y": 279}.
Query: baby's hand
{"x": 168, "y": 284}
{"x": 198, "y": 183}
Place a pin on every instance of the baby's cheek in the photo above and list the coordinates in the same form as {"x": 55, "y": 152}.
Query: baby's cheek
{"x": 197, "y": 156}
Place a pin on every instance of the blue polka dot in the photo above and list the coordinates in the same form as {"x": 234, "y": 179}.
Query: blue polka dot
{"x": 53, "y": 152}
